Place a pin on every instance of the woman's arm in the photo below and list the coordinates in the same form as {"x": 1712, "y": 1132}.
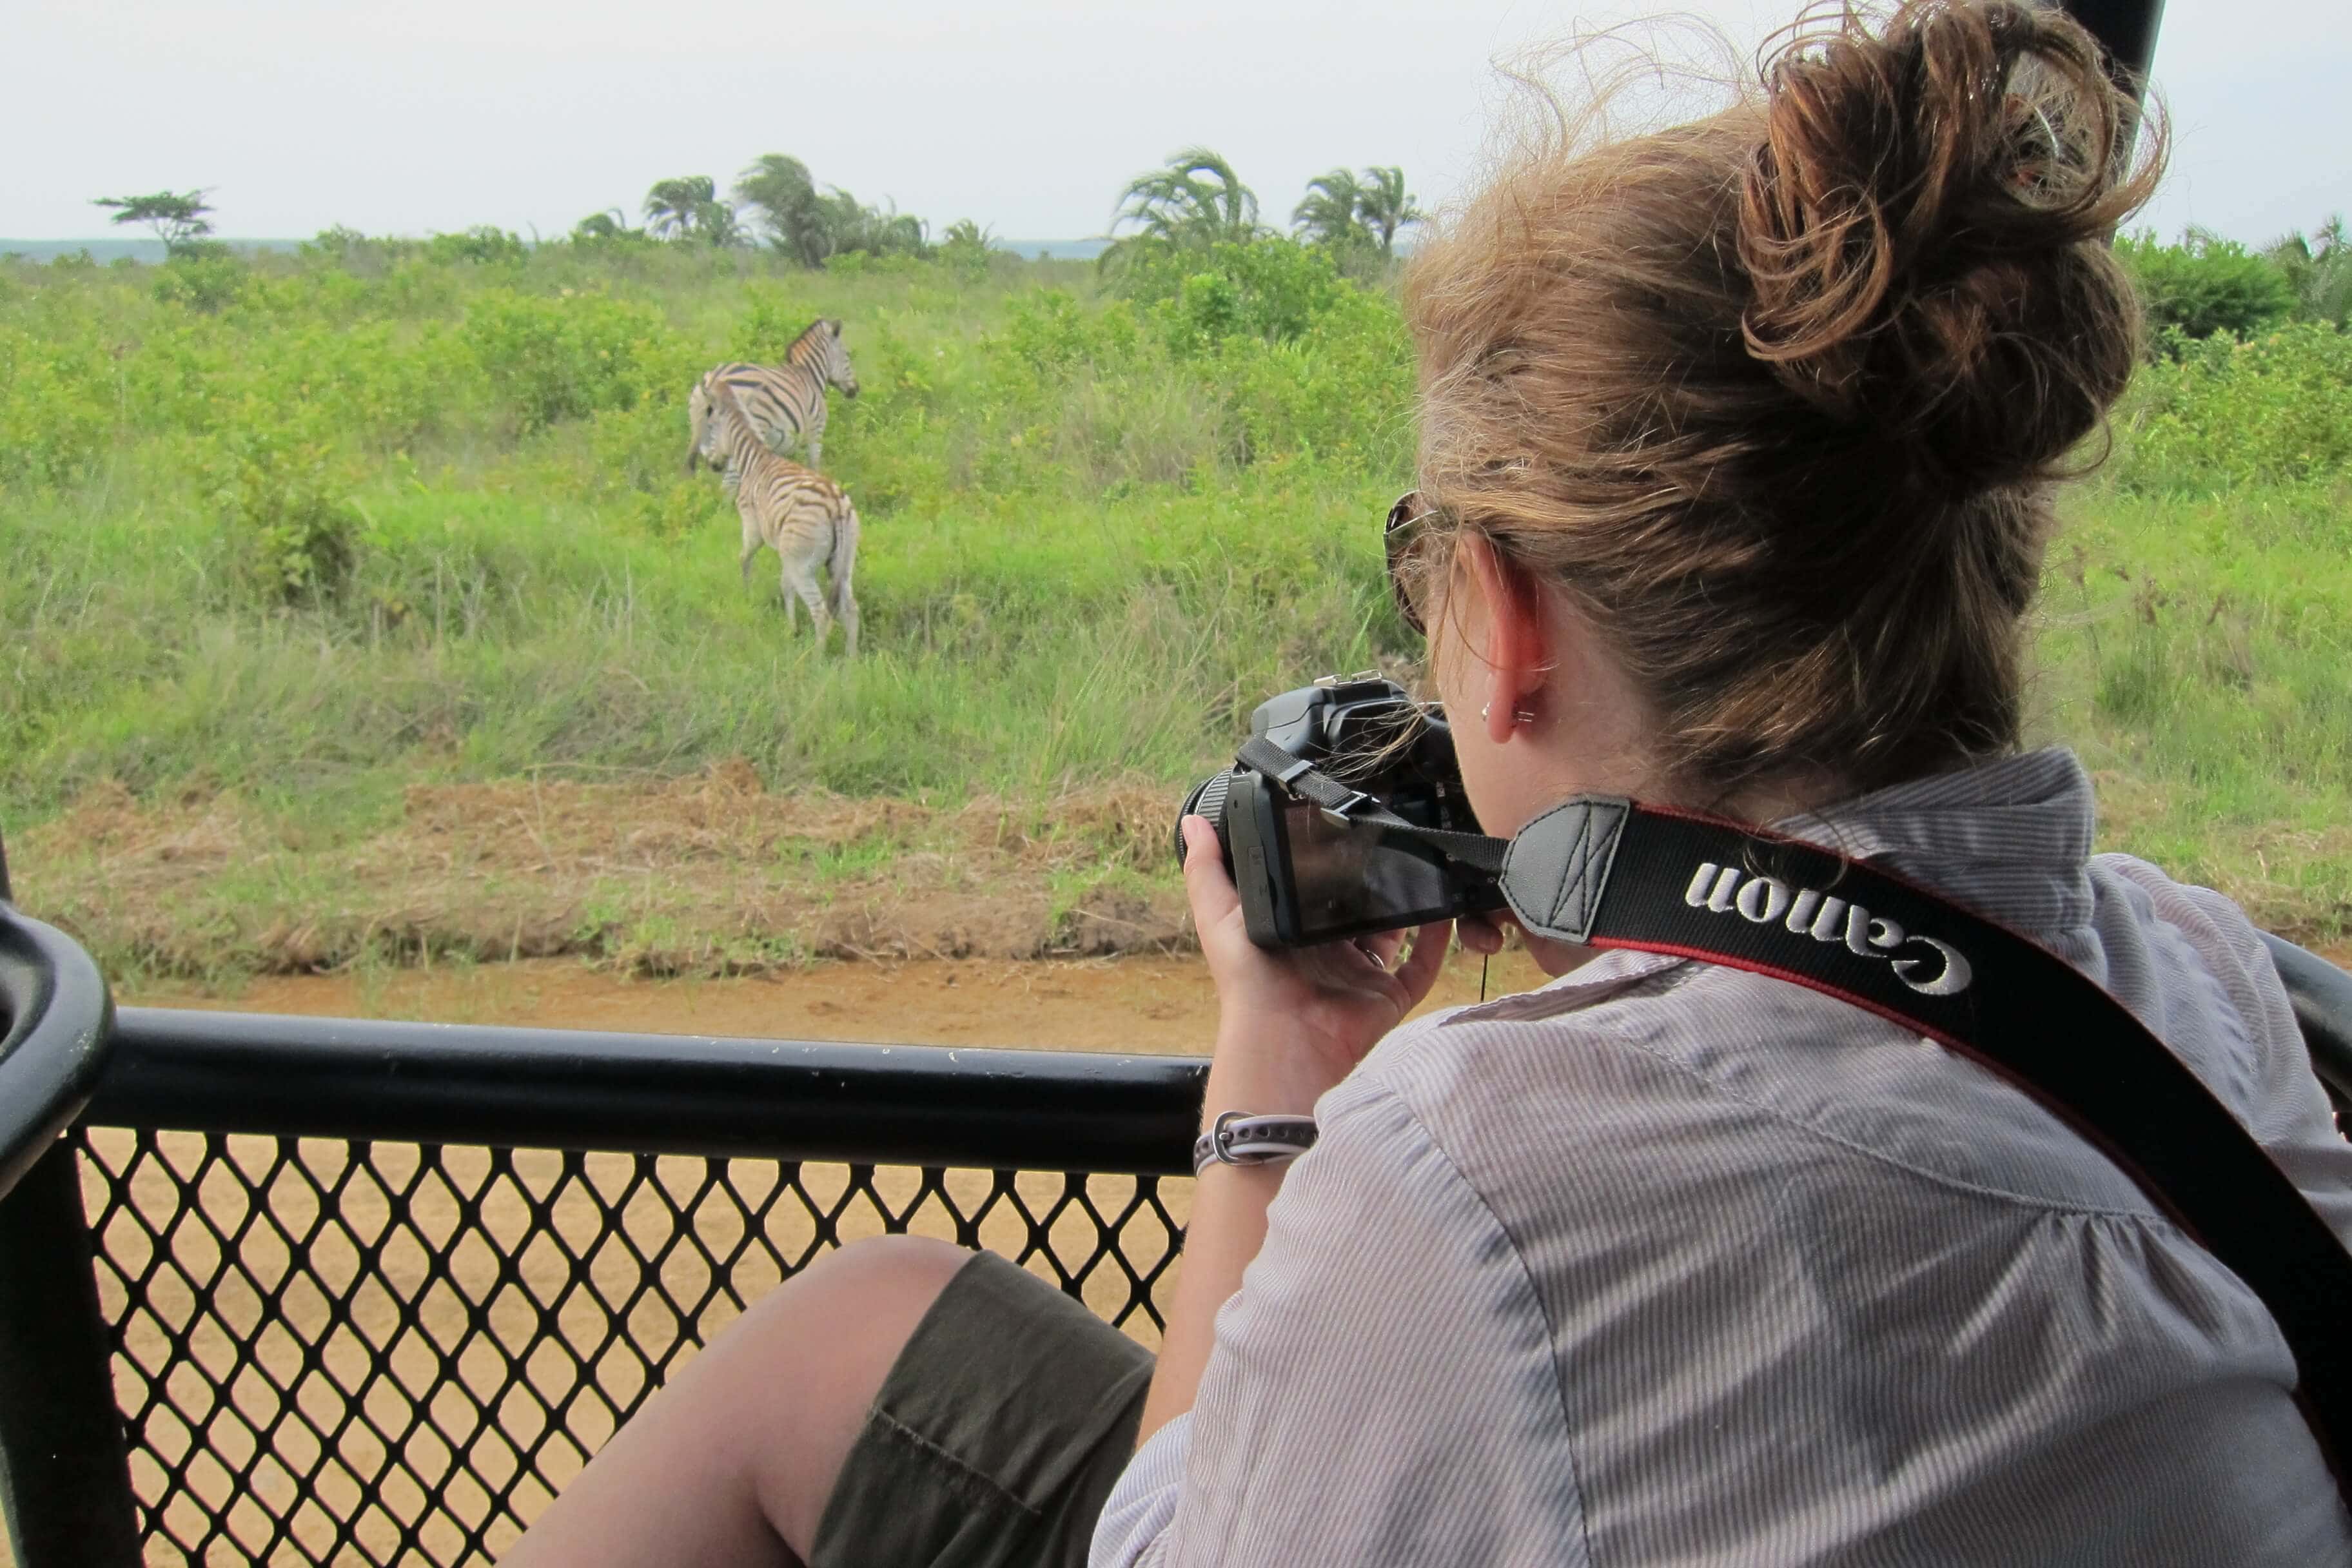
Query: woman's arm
{"x": 1383, "y": 1394}
{"x": 1290, "y": 1026}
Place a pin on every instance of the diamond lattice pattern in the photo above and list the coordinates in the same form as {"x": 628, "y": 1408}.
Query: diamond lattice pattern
{"x": 339, "y": 1352}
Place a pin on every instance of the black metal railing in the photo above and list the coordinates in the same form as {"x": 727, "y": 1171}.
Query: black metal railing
{"x": 374, "y": 1291}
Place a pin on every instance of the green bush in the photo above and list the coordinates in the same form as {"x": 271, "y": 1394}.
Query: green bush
{"x": 206, "y": 282}
{"x": 55, "y": 417}
{"x": 549, "y": 360}
{"x": 483, "y": 245}
{"x": 2274, "y": 410}
{"x": 1271, "y": 289}
{"x": 2203, "y": 286}
{"x": 286, "y": 502}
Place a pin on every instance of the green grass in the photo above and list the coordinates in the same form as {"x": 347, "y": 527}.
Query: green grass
{"x": 1096, "y": 533}
{"x": 2199, "y": 652}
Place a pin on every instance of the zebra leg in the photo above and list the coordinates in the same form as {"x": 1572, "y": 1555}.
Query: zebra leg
{"x": 842, "y": 567}
{"x": 750, "y": 541}
{"x": 845, "y": 606}
{"x": 799, "y": 577}
{"x": 816, "y": 451}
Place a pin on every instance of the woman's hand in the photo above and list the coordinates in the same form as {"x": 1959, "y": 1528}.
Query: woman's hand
{"x": 1292, "y": 1024}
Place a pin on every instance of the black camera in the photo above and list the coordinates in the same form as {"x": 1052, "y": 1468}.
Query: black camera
{"x": 1312, "y": 870}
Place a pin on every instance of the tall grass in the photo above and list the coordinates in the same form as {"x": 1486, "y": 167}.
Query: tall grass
{"x": 322, "y": 526}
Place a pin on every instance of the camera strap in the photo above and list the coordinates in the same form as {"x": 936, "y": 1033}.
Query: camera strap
{"x": 1303, "y": 779}
{"x": 1602, "y": 871}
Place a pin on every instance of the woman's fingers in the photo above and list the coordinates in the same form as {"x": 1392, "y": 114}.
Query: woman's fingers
{"x": 1419, "y": 971}
{"x": 1206, "y": 884}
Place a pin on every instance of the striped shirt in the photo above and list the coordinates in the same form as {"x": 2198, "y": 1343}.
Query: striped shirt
{"x": 1670, "y": 1263}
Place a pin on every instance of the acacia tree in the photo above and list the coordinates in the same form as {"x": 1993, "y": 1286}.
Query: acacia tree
{"x": 1329, "y": 213}
{"x": 1384, "y": 206}
{"x": 1196, "y": 201}
{"x": 177, "y": 217}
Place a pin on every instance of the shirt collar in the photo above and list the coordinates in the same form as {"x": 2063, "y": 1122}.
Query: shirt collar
{"x": 2009, "y": 838}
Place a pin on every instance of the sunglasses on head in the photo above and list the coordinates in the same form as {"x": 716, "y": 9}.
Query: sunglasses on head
{"x": 1403, "y": 532}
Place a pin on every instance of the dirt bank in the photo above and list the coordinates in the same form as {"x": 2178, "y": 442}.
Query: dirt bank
{"x": 711, "y": 875}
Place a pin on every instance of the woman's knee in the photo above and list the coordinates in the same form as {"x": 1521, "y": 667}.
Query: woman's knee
{"x": 828, "y": 1338}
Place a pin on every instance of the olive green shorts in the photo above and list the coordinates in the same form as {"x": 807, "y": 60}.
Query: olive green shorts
{"x": 997, "y": 1434}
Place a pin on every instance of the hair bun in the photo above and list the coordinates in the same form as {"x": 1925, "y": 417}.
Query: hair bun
{"x": 1924, "y": 226}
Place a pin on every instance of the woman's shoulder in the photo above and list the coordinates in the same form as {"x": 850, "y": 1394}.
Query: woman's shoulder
{"x": 2193, "y": 967}
{"x": 1623, "y": 1070}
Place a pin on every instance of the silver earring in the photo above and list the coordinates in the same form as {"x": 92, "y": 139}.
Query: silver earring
{"x": 1518, "y": 715}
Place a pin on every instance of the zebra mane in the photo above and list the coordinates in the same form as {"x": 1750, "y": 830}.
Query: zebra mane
{"x": 807, "y": 332}
{"x": 725, "y": 402}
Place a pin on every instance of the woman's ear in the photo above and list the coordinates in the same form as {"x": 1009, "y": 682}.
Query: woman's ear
{"x": 1512, "y": 639}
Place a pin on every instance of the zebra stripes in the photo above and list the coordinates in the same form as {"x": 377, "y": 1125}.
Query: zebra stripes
{"x": 784, "y": 403}
{"x": 798, "y": 512}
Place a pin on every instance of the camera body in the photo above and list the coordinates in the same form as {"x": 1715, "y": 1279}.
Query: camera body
{"x": 1309, "y": 874}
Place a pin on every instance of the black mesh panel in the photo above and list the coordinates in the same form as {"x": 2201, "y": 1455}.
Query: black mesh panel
{"x": 336, "y": 1353}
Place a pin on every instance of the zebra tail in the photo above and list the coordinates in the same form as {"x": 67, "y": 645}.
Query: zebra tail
{"x": 843, "y": 560}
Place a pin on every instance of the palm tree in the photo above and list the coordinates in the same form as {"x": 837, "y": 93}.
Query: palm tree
{"x": 1327, "y": 215}
{"x": 675, "y": 208}
{"x": 2320, "y": 271}
{"x": 1196, "y": 200}
{"x": 610, "y": 224}
{"x": 1384, "y": 206}
{"x": 718, "y": 225}
{"x": 791, "y": 211}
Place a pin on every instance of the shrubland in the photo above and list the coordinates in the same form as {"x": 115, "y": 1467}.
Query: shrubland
{"x": 300, "y": 537}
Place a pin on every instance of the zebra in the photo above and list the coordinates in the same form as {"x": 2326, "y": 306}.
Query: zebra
{"x": 784, "y": 403}
{"x": 802, "y": 515}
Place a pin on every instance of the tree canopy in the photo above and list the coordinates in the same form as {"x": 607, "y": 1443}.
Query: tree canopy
{"x": 689, "y": 209}
{"x": 1196, "y": 201}
{"x": 812, "y": 225}
{"x": 2318, "y": 272}
{"x": 1384, "y": 206}
{"x": 176, "y": 217}
{"x": 1327, "y": 215}
{"x": 1350, "y": 212}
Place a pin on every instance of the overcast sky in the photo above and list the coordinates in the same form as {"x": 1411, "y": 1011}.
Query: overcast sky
{"x": 1027, "y": 115}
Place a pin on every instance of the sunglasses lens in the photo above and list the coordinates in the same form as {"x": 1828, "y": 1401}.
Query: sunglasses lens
{"x": 1403, "y": 529}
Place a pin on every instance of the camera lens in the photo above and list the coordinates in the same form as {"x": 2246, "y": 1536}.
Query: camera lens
{"x": 1207, "y": 799}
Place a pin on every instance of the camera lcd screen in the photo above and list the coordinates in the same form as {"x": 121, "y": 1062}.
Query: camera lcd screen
{"x": 1354, "y": 879}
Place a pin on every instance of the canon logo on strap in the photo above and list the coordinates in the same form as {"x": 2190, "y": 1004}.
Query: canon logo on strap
{"x": 1804, "y": 912}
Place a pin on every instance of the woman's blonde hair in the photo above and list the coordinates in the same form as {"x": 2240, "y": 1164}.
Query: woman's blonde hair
{"x": 1776, "y": 397}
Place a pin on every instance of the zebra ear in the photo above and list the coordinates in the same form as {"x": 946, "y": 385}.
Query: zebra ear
{"x": 832, "y": 327}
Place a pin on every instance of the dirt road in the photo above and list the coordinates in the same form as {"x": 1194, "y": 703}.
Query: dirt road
{"x": 1137, "y": 1003}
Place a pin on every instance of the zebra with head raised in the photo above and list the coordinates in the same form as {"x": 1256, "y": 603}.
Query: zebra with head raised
{"x": 785, "y": 403}
{"x": 798, "y": 512}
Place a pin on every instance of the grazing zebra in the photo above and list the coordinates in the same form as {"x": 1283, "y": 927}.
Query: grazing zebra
{"x": 785, "y": 403}
{"x": 802, "y": 515}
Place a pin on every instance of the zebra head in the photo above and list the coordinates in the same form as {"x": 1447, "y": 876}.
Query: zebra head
{"x": 820, "y": 349}
{"x": 702, "y": 418}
